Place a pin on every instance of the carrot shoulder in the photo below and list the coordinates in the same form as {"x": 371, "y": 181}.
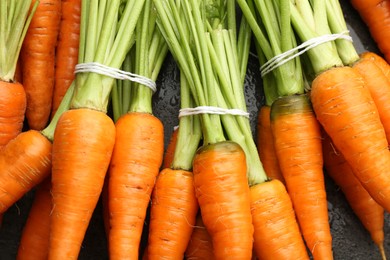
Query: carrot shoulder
{"x": 38, "y": 57}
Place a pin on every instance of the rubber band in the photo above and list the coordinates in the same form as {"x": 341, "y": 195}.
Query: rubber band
{"x": 211, "y": 110}
{"x": 284, "y": 57}
{"x": 115, "y": 73}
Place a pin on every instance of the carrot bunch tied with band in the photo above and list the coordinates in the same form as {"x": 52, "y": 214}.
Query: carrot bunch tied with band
{"x": 107, "y": 29}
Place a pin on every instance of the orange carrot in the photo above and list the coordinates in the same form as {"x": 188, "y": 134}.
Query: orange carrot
{"x": 265, "y": 145}
{"x": 379, "y": 87}
{"x": 298, "y": 147}
{"x": 345, "y": 108}
{"x": 223, "y": 194}
{"x": 76, "y": 188}
{"x": 170, "y": 151}
{"x": 274, "y": 218}
{"x": 34, "y": 241}
{"x": 135, "y": 164}
{"x": 173, "y": 214}
{"x": 376, "y": 15}
{"x": 12, "y": 110}
{"x": 200, "y": 245}
{"x": 25, "y": 161}
{"x": 370, "y": 213}
{"x": 67, "y": 50}
{"x": 38, "y": 55}
{"x": 378, "y": 60}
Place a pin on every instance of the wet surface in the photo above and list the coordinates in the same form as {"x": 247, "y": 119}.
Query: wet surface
{"x": 350, "y": 239}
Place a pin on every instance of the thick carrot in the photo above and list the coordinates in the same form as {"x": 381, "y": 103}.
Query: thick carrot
{"x": 265, "y": 144}
{"x": 370, "y": 213}
{"x": 38, "y": 56}
{"x": 12, "y": 110}
{"x": 219, "y": 176}
{"x": 200, "y": 245}
{"x": 379, "y": 87}
{"x": 345, "y": 108}
{"x": 376, "y": 15}
{"x": 378, "y": 60}
{"x": 67, "y": 50}
{"x": 170, "y": 151}
{"x": 34, "y": 240}
{"x": 173, "y": 214}
{"x": 135, "y": 164}
{"x": 25, "y": 161}
{"x": 298, "y": 147}
{"x": 76, "y": 188}
{"x": 274, "y": 217}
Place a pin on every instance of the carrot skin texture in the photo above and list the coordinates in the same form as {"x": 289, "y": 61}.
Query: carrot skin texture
{"x": 38, "y": 58}
{"x": 370, "y": 213}
{"x": 173, "y": 214}
{"x": 25, "y": 162}
{"x": 12, "y": 110}
{"x": 135, "y": 164}
{"x": 265, "y": 145}
{"x": 82, "y": 148}
{"x": 200, "y": 245}
{"x": 170, "y": 151}
{"x": 379, "y": 87}
{"x": 67, "y": 50}
{"x": 277, "y": 234}
{"x": 34, "y": 242}
{"x": 222, "y": 191}
{"x": 299, "y": 150}
{"x": 376, "y": 15}
{"x": 345, "y": 109}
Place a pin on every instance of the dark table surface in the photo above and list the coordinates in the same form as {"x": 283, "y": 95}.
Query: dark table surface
{"x": 350, "y": 239}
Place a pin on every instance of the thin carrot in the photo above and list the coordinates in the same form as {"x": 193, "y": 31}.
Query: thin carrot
{"x": 14, "y": 21}
{"x": 34, "y": 240}
{"x": 200, "y": 245}
{"x": 38, "y": 56}
{"x": 67, "y": 49}
{"x": 86, "y": 129}
{"x": 376, "y": 15}
{"x": 370, "y": 213}
{"x": 170, "y": 150}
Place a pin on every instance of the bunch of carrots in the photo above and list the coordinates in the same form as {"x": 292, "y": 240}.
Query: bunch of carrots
{"x": 77, "y": 79}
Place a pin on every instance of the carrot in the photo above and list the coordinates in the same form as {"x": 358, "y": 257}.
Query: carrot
{"x": 138, "y": 151}
{"x": 265, "y": 144}
{"x": 375, "y": 14}
{"x": 200, "y": 245}
{"x": 170, "y": 150}
{"x": 77, "y": 180}
{"x": 14, "y": 21}
{"x": 38, "y": 56}
{"x": 34, "y": 240}
{"x": 370, "y": 213}
{"x": 172, "y": 215}
{"x": 378, "y": 60}
{"x": 67, "y": 49}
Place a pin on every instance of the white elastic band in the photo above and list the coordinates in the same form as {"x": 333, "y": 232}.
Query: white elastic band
{"x": 211, "y": 110}
{"x": 284, "y": 57}
{"x": 115, "y": 73}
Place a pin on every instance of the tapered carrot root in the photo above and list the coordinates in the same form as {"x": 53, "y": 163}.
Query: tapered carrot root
{"x": 173, "y": 214}
{"x": 135, "y": 164}
{"x": 67, "y": 49}
{"x": 25, "y": 162}
{"x": 170, "y": 151}
{"x": 200, "y": 245}
{"x": 298, "y": 147}
{"x": 277, "y": 234}
{"x": 344, "y": 107}
{"x": 38, "y": 55}
{"x": 370, "y": 213}
{"x": 379, "y": 86}
{"x": 12, "y": 110}
{"x": 34, "y": 242}
{"x": 265, "y": 145}
{"x": 223, "y": 195}
{"x": 82, "y": 148}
